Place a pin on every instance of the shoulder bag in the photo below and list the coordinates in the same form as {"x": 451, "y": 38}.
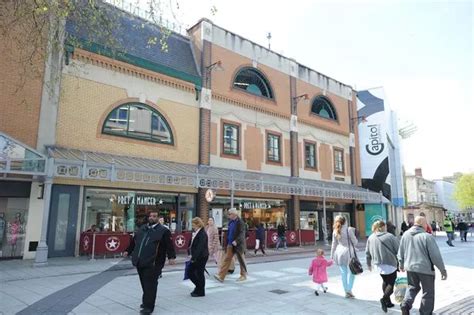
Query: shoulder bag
{"x": 354, "y": 264}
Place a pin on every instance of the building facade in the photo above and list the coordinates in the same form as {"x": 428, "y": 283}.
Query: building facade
{"x": 165, "y": 130}
{"x": 422, "y": 199}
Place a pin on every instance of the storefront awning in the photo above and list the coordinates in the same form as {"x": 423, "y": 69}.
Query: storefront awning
{"x": 17, "y": 158}
{"x": 73, "y": 163}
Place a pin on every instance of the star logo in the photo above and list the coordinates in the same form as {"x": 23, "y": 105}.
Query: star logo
{"x": 180, "y": 241}
{"x": 274, "y": 237}
{"x": 292, "y": 236}
{"x": 112, "y": 243}
{"x": 85, "y": 242}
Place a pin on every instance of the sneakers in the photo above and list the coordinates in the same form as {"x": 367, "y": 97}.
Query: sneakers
{"x": 242, "y": 278}
{"x": 349, "y": 295}
{"x": 218, "y": 278}
{"x": 325, "y": 289}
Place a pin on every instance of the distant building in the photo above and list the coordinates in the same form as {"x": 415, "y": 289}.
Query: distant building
{"x": 422, "y": 199}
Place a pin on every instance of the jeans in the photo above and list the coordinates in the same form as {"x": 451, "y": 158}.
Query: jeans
{"x": 427, "y": 283}
{"x": 280, "y": 240}
{"x": 347, "y": 278}
{"x": 450, "y": 237}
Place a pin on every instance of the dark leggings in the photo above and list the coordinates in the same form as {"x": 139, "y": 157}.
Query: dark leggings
{"x": 388, "y": 285}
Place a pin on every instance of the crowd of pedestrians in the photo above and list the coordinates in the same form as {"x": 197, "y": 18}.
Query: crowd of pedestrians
{"x": 415, "y": 253}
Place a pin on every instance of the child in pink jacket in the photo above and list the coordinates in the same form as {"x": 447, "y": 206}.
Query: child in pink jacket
{"x": 318, "y": 270}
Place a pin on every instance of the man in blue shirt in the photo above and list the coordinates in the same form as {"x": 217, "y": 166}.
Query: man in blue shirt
{"x": 235, "y": 245}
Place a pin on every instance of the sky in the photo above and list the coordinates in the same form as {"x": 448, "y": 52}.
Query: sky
{"x": 420, "y": 51}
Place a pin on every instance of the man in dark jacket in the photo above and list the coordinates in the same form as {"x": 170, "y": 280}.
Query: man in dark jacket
{"x": 463, "y": 228}
{"x": 236, "y": 244}
{"x": 281, "y": 235}
{"x": 149, "y": 248}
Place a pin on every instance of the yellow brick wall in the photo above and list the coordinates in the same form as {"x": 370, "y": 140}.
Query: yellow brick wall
{"x": 84, "y": 104}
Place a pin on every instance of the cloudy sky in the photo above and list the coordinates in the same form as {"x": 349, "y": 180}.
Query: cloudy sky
{"x": 420, "y": 51}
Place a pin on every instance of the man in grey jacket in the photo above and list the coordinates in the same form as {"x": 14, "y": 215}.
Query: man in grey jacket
{"x": 418, "y": 254}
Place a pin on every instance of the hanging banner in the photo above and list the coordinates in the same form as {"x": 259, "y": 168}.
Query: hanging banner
{"x": 217, "y": 215}
{"x": 373, "y": 141}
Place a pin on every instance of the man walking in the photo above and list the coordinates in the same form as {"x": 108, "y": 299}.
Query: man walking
{"x": 417, "y": 254}
{"x": 235, "y": 246}
{"x": 149, "y": 248}
{"x": 462, "y": 226}
{"x": 449, "y": 228}
{"x": 281, "y": 236}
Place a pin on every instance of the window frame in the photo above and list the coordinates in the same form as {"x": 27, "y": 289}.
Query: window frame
{"x": 263, "y": 77}
{"x": 237, "y": 156}
{"x": 331, "y": 105}
{"x": 269, "y": 133}
{"x": 134, "y": 137}
{"x": 338, "y": 150}
{"x": 313, "y": 143}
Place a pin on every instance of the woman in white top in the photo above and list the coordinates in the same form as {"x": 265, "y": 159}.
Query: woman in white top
{"x": 342, "y": 251}
{"x": 381, "y": 251}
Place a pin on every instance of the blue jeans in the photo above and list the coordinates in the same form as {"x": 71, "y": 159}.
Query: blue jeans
{"x": 347, "y": 278}
{"x": 281, "y": 239}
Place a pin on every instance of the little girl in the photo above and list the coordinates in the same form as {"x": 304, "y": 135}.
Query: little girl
{"x": 318, "y": 270}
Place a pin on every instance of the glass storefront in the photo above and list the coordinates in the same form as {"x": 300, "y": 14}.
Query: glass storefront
{"x": 309, "y": 221}
{"x": 13, "y": 218}
{"x": 252, "y": 211}
{"x": 107, "y": 210}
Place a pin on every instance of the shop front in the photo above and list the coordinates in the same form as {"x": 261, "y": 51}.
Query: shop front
{"x": 14, "y": 206}
{"x": 110, "y": 216}
{"x": 312, "y": 216}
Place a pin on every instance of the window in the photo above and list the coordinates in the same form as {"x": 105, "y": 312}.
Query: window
{"x": 230, "y": 141}
{"x": 338, "y": 160}
{"x": 322, "y": 107}
{"x": 273, "y": 148}
{"x": 253, "y": 81}
{"x": 310, "y": 154}
{"x": 138, "y": 121}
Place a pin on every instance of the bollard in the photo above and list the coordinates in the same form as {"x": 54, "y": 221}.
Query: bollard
{"x": 93, "y": 246}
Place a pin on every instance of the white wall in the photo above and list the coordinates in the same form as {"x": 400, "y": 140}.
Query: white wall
{"x": 35, "y": 219}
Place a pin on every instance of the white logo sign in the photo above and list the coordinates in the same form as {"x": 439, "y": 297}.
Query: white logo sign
{"x": 180, "y": 241}
{"x": 85, "y": 242}
{"x": 292, "y": 236}
{"x": 112, "y": 243}
{"x": 274, "y": 237}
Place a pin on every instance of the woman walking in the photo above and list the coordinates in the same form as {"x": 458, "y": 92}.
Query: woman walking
{"x": 381, "y": 251}
{"x": 342, "y": 249}
{"x": 213, "y": 239}
{"x": 199, "y": 255}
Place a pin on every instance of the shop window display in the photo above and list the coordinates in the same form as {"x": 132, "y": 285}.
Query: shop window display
{"x": 124, "y": 211}
{"x": 13, "y": 216}
{"x": 252, "y": 211}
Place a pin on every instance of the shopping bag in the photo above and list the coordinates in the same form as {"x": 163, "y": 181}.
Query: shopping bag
{"x": 187, "y": 265}
{"x": 401, "y": 286}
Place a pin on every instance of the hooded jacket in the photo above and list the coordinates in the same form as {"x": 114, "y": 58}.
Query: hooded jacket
{"x": 418, "y": 252}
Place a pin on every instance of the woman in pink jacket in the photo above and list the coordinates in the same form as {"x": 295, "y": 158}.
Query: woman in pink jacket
{"x": 318, "y": 270}
{"x": 213, "y": 239}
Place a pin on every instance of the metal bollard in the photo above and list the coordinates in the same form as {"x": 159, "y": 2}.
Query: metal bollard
{"x": 93, "y": 247}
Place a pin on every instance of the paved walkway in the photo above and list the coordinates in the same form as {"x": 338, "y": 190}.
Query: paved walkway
{"x": 277, "y": 284}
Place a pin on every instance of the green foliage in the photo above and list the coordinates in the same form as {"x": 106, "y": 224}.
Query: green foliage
{"x": 464, "y": 191}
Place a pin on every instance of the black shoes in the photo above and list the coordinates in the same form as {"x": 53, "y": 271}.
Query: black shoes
{"x": 405, "y": 310}
{"x": 383, "y": 304}
{"x": 316, "y": 292}
{"x": 194, "y": 294}
{"x": 146, "y": 311}
{"x": 230, "y": 271}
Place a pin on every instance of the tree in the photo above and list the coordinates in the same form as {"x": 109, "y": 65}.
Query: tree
{"x": 464, "y": 191}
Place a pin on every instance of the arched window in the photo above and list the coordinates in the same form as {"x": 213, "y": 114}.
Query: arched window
{"x": 253, "y": 81}
{"x": 138, "y": 121}
{"x": 322, "y": 107}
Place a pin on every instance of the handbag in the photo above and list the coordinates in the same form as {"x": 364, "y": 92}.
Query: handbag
{"x": 354, "y": 264}
{"x": 187, "y": 265}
